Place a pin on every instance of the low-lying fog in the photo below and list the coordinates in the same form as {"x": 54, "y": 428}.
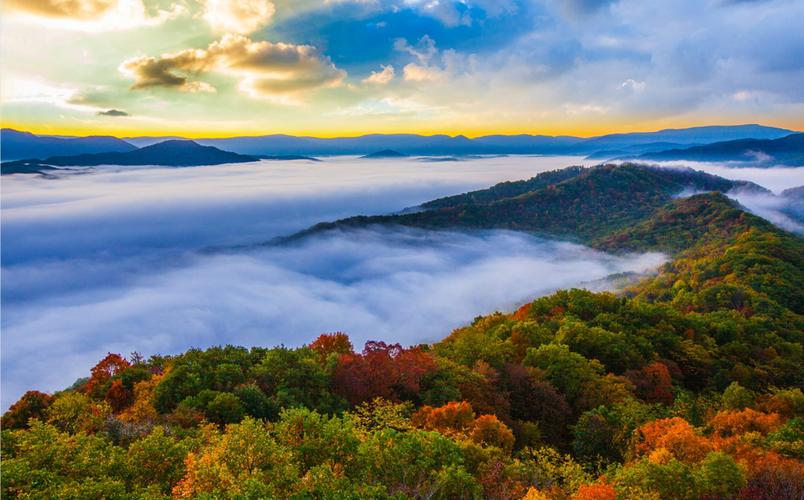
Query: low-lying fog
{"x": 118, "y": 260}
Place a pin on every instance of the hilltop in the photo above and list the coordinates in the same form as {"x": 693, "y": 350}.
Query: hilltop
{"x": 582, "y": 204}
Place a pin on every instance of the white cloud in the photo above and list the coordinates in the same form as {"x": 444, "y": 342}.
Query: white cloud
{"x": 92, "y": 15}
{"x": 380, "y": 77}
{"x": 417, "y": 73}
{"x": 238, "y": 16}
{"x": 633, "y": 85}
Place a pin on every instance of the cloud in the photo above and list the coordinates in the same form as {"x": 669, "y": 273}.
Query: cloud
{"x": 74, "y": 9}
{"x": 423, "y": 51}
{"x": 380, "y": 77}
{"x": 394, "y": 285}
{"x": 265, "y": 69}
{"x": 112, "y": 112}
{"x": 633, "y": 85}
{"x": 238, "y": 16}
{"x": 417, "y": 73}
{"x": 94, "y": 15}
{"x": 575, "y": 8}
{"x": 126, "y": 251}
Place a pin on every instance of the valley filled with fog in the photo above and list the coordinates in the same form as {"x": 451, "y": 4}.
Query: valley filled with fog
{"x": 157, "y": 260}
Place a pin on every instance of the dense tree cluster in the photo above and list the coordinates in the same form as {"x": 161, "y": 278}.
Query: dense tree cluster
{"x": 686, "y": 386}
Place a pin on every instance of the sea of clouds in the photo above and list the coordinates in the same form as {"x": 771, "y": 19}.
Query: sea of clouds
{"x": 159, "y": 260}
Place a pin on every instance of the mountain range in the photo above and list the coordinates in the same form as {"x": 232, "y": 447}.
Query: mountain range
{"x": 788, "y": 150}
{"x": 22, "y": 145}
{"x": 16, "y": 145}
{"x": 172, "y": 153}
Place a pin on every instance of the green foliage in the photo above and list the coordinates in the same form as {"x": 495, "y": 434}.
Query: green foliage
{"x": 737, "y": 397}
{"x": 720, "y": 476}
{"x": 569, "y": 371}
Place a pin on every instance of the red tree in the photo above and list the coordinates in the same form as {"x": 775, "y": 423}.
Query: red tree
{"x": 329, "y": 343}
{"x": 381, "y": 370}
{"x": 107, "y": 368}
{"x": 32, "y": 404}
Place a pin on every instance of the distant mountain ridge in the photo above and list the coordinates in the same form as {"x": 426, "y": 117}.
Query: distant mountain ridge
{"x": 412, "y": 144}
{"x": 788, "y": 150}
{"x": 16, "y": 145}
{"x": 171, "y": 153}
{"x": 22, "y": 145}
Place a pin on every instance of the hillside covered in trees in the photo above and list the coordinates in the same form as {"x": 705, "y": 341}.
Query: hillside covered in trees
{"x": 686, "y": 385}
{"x": 576, "y": 203}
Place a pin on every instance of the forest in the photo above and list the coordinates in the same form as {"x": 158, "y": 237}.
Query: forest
{"x": 684, "y": 385}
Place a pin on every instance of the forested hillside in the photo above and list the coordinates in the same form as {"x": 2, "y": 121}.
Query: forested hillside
{"x": 684, "y": 386}
{"x": 576, "y": 203}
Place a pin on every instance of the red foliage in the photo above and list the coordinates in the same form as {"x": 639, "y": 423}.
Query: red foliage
{"x": 107, "y": 368}
{"x": 454, "y": 417}
{"x": 733, "y": 423}
{"x": 119, "y": 397}
{"x": 770, "y": 475}
{"x": 382, "y": 370}
{"x": 653, "y": 383}
{"x": 523, "y": 313}
{"x": 675, "y": 435}
{"x": 329, "y": 343}
{"x": 597, "y": 491}
{"x": 32, "y": 404}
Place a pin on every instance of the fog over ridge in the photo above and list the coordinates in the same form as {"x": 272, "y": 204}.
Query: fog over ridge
{"x": 117, "y": 260}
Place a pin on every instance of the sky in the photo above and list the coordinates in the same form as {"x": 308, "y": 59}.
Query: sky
{"x": 346, "y": 67}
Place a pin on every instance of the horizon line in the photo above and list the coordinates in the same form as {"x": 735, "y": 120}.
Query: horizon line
{"x": 364, "y": 134}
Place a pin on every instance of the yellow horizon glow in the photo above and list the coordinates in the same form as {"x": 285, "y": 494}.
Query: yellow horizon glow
{"x": 208, "y": 133}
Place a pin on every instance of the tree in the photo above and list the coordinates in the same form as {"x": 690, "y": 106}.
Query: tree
{"x": 74, "y": 412}
{"x": 295, "y": 377}
{"x": 734, "y": 423}
{"x": 719, "y": 476}
{"x": 452, "y": 418}
{"x": 669, "y": 479}
{"x": 676, "y": 436}
{"x": 316, "y": 439}
{"x": 652, "y": 383}
{"x": 32, "y": 404}
{"x": 331, "y": 343}
{"x": 489, "y": 431}
{"x": 597, "y": 434}
{"x": 737, "y": 397}
{"x": 226, "y": 408}
{"x": 382, "y": 370}
{"x": 156, "y": 459}
{"x": 407, "y": 463}
{"x": 600, "y": 490}
{"x": 570, "y": 372}
{"x": 533, "y": 399}
{"x": 245, "y": 460}
{"x": 102, "y": 373}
